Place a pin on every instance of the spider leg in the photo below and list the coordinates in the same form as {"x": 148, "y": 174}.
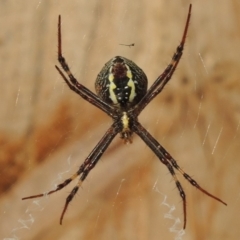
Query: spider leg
{"x": 85, "y": 168}
{"x": 167, "y": 160}
{"x": 91, "y": 162}
{"x": 88, "y": 97}
{"x": 153, "y": 144}
{"x": 186, "y": 176}
{"x": 74, "y": 84}
{"x": 164, "y": 78}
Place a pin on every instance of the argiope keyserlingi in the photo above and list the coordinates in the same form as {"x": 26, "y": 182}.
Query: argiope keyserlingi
{"x": 122, "y": 94}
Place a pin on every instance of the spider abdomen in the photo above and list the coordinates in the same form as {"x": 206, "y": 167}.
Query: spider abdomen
{"x": 121, "y": 83}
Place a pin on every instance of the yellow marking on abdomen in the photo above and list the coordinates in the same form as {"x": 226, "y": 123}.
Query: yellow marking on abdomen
{"x": 131, "y": 84}
{"x": 112, "y": 86}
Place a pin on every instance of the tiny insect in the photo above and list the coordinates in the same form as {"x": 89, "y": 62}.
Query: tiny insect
{"x": 128, "y": 45}
{"x": 122, "y": 94}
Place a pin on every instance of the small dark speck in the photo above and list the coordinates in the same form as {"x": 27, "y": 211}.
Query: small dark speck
{"x": 128, "y": 45}
{"x": 185, "y": 81}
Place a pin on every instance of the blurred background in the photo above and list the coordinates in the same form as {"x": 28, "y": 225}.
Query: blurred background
{"x": 46, "y": 130}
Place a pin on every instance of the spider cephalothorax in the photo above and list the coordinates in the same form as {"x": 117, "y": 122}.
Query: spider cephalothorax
{"x": 122, "y": 94}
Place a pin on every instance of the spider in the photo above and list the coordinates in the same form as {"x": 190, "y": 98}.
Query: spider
{"x": 122, "y": 94}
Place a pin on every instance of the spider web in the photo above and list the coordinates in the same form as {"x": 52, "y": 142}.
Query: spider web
{"x": 47, "y": 130}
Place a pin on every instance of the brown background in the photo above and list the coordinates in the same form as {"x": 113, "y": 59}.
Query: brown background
{"x": 46, "y": 130}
